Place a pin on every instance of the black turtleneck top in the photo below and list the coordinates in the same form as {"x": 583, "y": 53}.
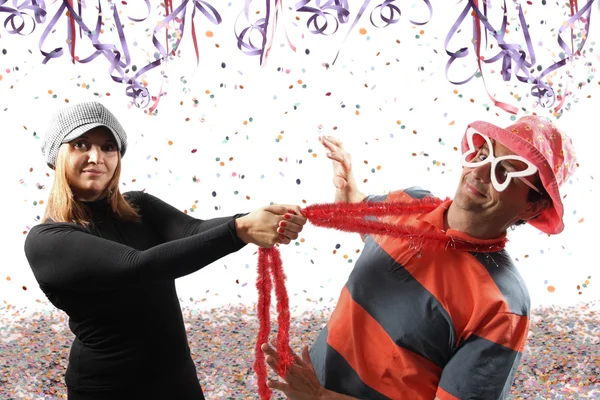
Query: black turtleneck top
{"x": 116, "y": 282}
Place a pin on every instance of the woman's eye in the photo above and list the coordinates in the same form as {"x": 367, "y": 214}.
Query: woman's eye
{"x": 110, "y": 147}
{"x": 79, "y": 145}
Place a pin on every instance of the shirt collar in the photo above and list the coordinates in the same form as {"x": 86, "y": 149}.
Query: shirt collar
{"x": 435, "y": 218}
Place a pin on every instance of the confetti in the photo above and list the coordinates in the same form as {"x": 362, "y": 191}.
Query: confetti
{"x": 560, "y": 359}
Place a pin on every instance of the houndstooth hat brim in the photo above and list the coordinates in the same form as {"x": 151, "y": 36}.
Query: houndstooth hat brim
{"x": 71, "y": 122}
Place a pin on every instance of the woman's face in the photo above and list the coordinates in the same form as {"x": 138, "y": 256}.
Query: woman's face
{"x": 92, "y": 160}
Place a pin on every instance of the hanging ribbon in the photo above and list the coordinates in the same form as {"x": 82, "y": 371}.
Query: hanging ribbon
{"x": 17, "y": 12}
{"x": 71, "y": 36}
{"x": 265, "y": 27}
{"x": 347, "y": 218}
{"x": 513, "y": 53}
{"x": 325, "y": 18}
{"x": 321, "y": 13}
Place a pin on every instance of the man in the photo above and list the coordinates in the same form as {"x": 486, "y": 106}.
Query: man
{"x": 416, "y": 322}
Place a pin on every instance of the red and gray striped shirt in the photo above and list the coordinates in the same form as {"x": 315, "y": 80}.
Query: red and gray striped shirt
{"x": 412, "y": 325}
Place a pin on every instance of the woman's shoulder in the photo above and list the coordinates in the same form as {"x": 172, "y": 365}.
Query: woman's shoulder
{"x": 134, "y": 195}
{"x": 45, "y": 236}
{"x": 49, "y": 226}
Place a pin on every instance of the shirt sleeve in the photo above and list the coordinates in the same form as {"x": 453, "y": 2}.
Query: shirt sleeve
{"x": 65, "y": 256}
{"x": 485, "y": 364}
{"x": 169, "y": 222}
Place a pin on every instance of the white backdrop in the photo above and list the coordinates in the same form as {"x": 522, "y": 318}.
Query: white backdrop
{"x": 231, "y": 135}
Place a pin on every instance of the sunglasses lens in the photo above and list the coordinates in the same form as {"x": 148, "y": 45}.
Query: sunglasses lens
{"x": 501, "y": 174}
{"x": 504, "y": 168}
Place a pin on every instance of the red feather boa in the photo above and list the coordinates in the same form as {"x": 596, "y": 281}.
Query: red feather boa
{"x": 348, "y": 218}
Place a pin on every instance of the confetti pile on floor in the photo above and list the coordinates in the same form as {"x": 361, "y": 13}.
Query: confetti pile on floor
{"x": 562, "y": 359}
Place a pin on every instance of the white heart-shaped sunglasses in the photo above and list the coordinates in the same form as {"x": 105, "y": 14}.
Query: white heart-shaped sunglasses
{"x": 500, "y": 179}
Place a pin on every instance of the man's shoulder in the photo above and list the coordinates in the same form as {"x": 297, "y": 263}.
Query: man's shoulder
{"x": 413, "y": 192}
{"x": 507, "y": 279}
{"x": 417, "y": 192}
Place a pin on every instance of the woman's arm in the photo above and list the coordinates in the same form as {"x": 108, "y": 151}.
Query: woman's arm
{"x": 66, "y": 256}
{"x": 169, "y": 222}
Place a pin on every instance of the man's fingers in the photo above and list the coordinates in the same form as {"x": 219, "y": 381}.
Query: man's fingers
{"x": 278, "y": 385}
{"x": 339, "y": 183}
{"x": 297, "y": 359}
{"x": 268, "y": 350}
{"x": 333, "y": 140}
{"x": 306, "y": 357}
{"x": 330, "y": 147}
{"x": 337, "y": 156}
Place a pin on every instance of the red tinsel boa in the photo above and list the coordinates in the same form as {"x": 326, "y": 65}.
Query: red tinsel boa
{"x": 348, "y": 218}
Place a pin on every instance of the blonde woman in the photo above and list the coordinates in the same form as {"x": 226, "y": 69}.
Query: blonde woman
{"x": 110, "y": 260}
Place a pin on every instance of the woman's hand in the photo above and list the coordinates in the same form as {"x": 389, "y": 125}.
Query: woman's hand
{"x": 269, "y": 225}
{"x": 343, "y": 179}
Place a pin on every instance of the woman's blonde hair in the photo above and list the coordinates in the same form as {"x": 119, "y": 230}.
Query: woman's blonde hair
{"x": 63, "y": 206}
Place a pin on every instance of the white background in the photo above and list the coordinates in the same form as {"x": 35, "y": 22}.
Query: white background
{"x": 410, "y": 94}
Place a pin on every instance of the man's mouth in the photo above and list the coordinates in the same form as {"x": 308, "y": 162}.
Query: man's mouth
{"x": 474, "y": 189}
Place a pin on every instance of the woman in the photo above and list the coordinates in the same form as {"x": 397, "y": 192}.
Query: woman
{"x": 110, "y": 262}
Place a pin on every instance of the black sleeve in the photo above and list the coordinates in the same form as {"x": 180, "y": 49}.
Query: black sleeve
{"x": 169, "y": 222}
{"x": 66, "y": 256}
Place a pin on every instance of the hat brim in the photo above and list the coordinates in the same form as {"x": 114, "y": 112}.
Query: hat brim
{"x": 81, "y": 130}
{"x": 550, "y": 220}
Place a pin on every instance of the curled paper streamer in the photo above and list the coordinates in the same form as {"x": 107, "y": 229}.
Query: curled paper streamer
{"x": 265, "y": 27}
{"x": 322, "y": 13}
{"x": 513, "y": 56}
{"x": 325, "y": 18}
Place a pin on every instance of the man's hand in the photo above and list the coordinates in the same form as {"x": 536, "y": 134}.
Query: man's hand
{"x": 269, "y": 225}
{"x": 343, "y": 179}
{"x": 301, "y": 381}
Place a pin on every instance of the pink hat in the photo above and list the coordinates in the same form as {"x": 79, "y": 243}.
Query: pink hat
{"x": 537, "y": 140}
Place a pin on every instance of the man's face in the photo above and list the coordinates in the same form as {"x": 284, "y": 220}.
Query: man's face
{"x": 476, "y": 193}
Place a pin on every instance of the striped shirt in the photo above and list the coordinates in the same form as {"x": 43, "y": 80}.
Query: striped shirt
{"x": 416, "y": 325}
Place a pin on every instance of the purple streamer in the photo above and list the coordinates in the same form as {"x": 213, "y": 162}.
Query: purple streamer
{"x": 322, "y": 12}
{"x": 120, "y": 61}
{"x": 244, "y": 39}
{"x": 428, "y": 4}
{"x": 388, "y": 20}
{"x": 340, "y": 7}
{"x": 325, "y": 19}
{"x": 514, "y": 58}
{"x": 139, "y": 19}
{"x": 18, "y": 11}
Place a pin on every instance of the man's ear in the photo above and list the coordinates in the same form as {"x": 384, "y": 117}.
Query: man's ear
{"x": 535, "y": 208}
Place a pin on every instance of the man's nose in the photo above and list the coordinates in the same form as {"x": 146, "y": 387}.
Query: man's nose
{"x": 482, "y": 172}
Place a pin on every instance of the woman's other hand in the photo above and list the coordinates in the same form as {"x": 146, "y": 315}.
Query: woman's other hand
{"x": 269, "y": 225}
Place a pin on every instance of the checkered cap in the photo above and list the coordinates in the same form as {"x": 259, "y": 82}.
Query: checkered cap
{"x": 71, "y": 122}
